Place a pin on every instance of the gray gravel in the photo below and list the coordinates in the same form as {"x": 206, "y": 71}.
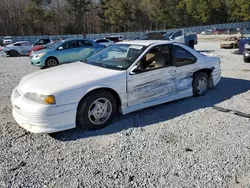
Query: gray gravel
{"x": 185, "y": 143}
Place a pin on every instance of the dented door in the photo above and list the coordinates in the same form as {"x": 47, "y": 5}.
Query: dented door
{"x": 151, "y": 85}
{"x": 184, "y": 79}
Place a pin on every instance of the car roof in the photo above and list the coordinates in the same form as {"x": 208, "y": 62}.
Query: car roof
{"x": 146, "y": 42}
{"x": 22, "y": 42}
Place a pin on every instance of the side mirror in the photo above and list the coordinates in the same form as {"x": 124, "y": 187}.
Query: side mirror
{"x": 60, "y": 48}
{"x": 135, "y": 70}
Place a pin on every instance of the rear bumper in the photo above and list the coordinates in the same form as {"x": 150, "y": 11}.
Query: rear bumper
{"x": 216, "y": 74}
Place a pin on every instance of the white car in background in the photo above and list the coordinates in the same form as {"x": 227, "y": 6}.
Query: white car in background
{"x": 105, "y": 42}
{"x": 7, "y": 40}
{"x": 124, "y": 77}
{"x": 18, "y": 48}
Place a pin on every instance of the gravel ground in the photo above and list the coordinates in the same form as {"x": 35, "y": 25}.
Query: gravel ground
{"x": 185, "y": 143}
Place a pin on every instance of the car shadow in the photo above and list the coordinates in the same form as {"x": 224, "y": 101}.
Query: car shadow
{"x": 226, "y": 89}
{"x": 205, "y": 51}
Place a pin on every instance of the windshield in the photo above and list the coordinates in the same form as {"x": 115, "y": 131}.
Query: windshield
{"x": 117, "y": 56}
{"x": 54, "y": 45}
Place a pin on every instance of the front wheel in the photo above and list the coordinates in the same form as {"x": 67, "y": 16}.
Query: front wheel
{"x": 200, "y": 83}
{"x": 51, "y": 62}
{"x": 13, "y": 53}
{"x": 96, "y": 110}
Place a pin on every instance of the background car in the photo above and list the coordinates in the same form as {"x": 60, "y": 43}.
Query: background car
{"x": 18, "y": 48}
{"x": 244, "y": 39}
{"x": 231, "y": 31}
{"x": 65, "y": 51}
{"x": 207, "y": 32}
{"x": 115, "y": 38}
{"x": 40, "y": 47}
{"x": 105, "y": 42}
{"x": 42, "y": 41}
{"x": 231, "y": 42}
{"x": 7, "y": 40}
{"x": 218, "y": 31}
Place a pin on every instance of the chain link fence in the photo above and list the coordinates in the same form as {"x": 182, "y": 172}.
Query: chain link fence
{"x": 131, "y": 35}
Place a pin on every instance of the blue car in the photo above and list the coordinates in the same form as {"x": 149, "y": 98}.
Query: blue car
{"x": 245, "y": 38}
{"x": 65, "y": 51}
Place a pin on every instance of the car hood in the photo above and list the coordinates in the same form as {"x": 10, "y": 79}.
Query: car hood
{"x": 42, "y": 51}
{"x": 37, "y": 47}
{"x": 67, "y": 77}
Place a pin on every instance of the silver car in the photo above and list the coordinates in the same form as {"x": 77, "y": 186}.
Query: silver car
{"x": 18, "y": 48}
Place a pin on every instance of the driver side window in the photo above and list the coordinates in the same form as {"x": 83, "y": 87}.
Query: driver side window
{"x": 69, "y": 45}
{"x": 157, "y": 57}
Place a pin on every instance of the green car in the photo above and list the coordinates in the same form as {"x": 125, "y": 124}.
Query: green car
{"x": 65, "y": 51}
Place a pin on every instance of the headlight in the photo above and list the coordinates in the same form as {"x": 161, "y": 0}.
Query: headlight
{"x": 39, "y": 55}
{"x": 43, "y": 99}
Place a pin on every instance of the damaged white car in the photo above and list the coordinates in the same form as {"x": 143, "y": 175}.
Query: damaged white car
{"x": 124, "y": 77}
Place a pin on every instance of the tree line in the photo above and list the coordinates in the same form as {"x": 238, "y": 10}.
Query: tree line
{"x": 52, "y": 17}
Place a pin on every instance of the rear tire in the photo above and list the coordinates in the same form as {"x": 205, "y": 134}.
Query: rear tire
{"x": 51, "y": 62}
{"x": 200, "y": 83}
{"x": 96, "y": 110}
{"x": 13, "y": 53}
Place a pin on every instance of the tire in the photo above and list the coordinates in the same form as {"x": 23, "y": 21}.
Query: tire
{"x": 51, "y": 62}
{"x": 200, "y": 83}
{"x": 87, "y": 117}
{"x": 191, "y": 44}
{"x": 13, "y": 53}
{"x": 246, "y": 60}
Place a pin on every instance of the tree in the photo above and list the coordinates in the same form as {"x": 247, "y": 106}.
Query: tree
{"x": 79, "y": 8}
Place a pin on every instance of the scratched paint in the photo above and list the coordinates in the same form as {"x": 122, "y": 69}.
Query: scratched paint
{"x": 150, "y": 85}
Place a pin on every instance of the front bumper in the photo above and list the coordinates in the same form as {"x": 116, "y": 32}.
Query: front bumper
{"x": 40, "y": 62}
{"x": 43, "y": 123}
{"x": 34, "y": 118}
{"x": 36, "y": 62}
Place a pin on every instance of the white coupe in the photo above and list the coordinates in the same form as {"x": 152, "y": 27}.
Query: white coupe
{"x": 124, "y": 77}
{"x": 105, "y": 42}
{"x": 18, "y": 48}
